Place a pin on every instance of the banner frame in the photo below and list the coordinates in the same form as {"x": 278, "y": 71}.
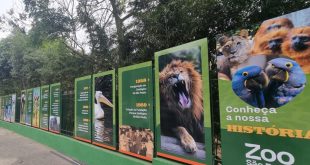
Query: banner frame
{"x": 50, "y": 107}
{"x": 120, "y": 103}
{"x": 94, "y": 76}
{"x": 75, "y": 109}
{"x": 33, "y": 106}
{"x": 203, "y": 43}
{"x": 27, "y": 91}
{"x": 48, "y": 113}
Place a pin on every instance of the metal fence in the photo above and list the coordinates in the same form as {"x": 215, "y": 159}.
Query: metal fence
{"x": 67, "y": 113}
{"x": 17, "y": 108}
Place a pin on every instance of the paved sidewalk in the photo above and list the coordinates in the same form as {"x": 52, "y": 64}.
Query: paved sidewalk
{"x": 18, "y": 150}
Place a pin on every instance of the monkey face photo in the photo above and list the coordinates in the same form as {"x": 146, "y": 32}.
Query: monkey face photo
{"x": 271, "y": 43}
{"x": 274, "y": 25}
{"x": 270, "y": 36}
{"x": 297, "y": 47}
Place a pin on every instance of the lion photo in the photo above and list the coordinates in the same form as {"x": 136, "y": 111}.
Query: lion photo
{"x": 235, "y": 52}
{"x": 181, "y": 103}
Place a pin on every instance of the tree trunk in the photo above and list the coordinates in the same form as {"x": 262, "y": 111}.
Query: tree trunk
{"x": 120, "y": 31}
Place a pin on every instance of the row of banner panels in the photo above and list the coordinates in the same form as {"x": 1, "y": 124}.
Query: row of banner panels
{"x": 264, "y": 92}
{"x": 40, "y": 107}
{"x": 164, "y": 109}
{"x": 263, "y": 99}
{"x": 176, "y": 91}
{"x": 182, "y": 129}
{"x": 95, "y": 114}
{"x": 8, "y": 107}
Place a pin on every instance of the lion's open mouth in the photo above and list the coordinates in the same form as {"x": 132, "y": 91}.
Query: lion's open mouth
{"x": 181, "y": 94}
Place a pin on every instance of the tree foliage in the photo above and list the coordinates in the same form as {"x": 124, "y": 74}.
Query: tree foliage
{"x": 24, "y": 65}
{"x": 114, "y": 33}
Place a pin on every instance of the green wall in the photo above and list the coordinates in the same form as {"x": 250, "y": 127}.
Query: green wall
{"x": 83, "y": 152}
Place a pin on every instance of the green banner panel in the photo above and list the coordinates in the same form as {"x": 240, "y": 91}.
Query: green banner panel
{"x": 264, "y": 93}
{"x": 45, "y": 107}
{"x": 28, "y": 113}
{"x": 6, "y": 112}
{"x": 55, "y": 108}
{"x": 103, "y": 98}
{"x": 83, "y": 100}
{"x": 7, "y": 107}
{"x": 3, "y": 107}
{"x": 183, "y": 117}
{"x": 23, "y": 106}
{"x": 36, "y": 107}
{"x": 136, "y": 112}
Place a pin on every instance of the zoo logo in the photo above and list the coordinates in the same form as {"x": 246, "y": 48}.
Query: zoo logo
{"x": 267, "y": 155}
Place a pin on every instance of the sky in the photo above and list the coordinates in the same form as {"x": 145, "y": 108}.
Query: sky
{"x": 5, "y": 6}
{"x": 18, "y": 6}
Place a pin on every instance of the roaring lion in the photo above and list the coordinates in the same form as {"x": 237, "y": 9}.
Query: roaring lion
{"x": 181, "y": 105}
{"x": 236, "y": 51}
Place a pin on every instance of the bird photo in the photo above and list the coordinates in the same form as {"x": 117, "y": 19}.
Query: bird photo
{"x": 99, "y": 98}
{"x": 22, "y": 107}
{"x": 287, "y": 80}
{"x": 249, "y": 84}
{"x": 284, "y": 44}
{"x": 103, "y": 108}
{"x": 272, "y": 87}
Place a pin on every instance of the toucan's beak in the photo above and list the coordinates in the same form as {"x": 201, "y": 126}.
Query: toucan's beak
{"x": 105, "y": 101}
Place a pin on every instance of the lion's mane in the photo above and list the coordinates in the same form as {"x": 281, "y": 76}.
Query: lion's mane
{"x": 171, "y": 113}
